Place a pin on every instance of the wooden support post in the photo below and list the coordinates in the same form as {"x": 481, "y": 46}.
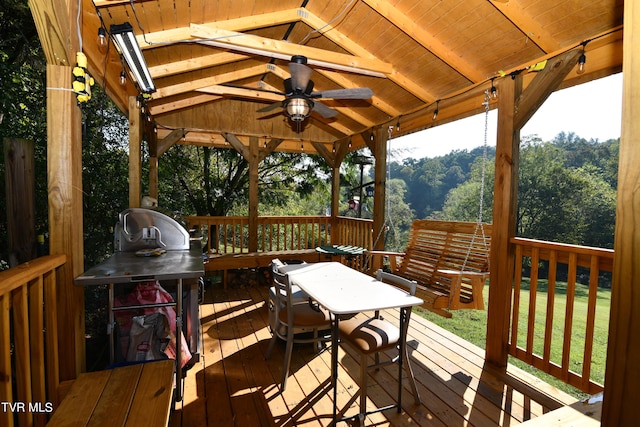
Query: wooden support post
{"x": 379, "y": 196}
{"x": 254, "y": 162}
{"x": 504, "y": 223}
{"x": 335, "y": 191}
{"x": 64, "y": 158}
{"x": 622, "y": 375}
{"x": 153, "y": 177}
{"x": 20, "y": 191}
{"x": 515, "y": 108}
{"x": 135, "y": 153}
{"x": 152, "y": 140}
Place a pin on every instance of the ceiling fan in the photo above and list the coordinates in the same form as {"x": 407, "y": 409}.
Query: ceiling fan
{"x": 299, "y": 96}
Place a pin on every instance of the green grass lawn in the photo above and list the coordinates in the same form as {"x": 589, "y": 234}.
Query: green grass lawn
{"x": 471, "y": 325}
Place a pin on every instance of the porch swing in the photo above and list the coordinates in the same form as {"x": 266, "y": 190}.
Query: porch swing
{"x": 448, "y": 259}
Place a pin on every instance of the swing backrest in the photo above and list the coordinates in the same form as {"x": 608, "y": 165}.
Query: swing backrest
{"x": 445, "y": 245}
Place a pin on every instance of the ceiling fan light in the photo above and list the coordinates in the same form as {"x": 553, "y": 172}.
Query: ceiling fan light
{"x": 298, "y": 109}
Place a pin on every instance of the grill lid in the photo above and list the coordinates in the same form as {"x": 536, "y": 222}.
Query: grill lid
{"x": 139, "y": 228}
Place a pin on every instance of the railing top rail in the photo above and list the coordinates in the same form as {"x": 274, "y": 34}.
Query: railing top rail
{"x": 17, "y": 276}
{"x": 261, "y": 217}
{"x": 564, "y": 247}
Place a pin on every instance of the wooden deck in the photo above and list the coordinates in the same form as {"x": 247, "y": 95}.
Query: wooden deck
{"x": 234, "y": 386}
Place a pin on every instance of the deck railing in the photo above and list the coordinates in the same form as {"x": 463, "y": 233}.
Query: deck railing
{"x": 29, "y": 375}
{"x": 551, "y": 265}
{"x": 230, "y": 234}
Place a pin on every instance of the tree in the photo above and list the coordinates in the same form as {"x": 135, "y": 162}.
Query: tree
{"x": 206, "y": 181}
{"x": 462, "y": 203}
{"x": 105, "y": 174}
{"x": 399, "y": 216}
{"x": 23, "y": 109}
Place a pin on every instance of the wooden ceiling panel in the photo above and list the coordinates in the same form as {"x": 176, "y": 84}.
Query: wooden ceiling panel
{"x": 428, "y": 49}
{"x": 587, "y": 17}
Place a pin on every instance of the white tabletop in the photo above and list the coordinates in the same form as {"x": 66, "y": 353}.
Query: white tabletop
{"x": 343, "y": 290}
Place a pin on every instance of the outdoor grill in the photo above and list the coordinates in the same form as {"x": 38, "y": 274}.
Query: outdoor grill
{"x": 152, "y": 251}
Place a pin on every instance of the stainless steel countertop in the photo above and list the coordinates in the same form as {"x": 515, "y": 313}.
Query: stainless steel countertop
{"x": 127, "y": 267}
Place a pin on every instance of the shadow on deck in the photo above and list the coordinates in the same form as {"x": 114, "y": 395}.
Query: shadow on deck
{"x": 234, "y": 386}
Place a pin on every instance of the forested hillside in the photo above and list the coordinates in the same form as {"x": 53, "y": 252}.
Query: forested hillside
{"x": 567, "y": 188}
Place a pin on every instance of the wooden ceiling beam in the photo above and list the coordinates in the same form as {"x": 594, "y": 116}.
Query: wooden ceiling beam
{"x": 241, "y": 93}
{"x": 326, "y": 154}
{"x": 193, "y": 64}
{"x": 270, "y": 148}
{"x": 543, "y": 85}
{"x": 192, "y": 85}
{"x": 184, "y": 34}
{"x": 346, "y": 82}
{"x": 427, "y": 40}
{"x": 514, "y": 12}
{"x": 168, "y": 106}
{"x": 169, "y": 141}
{"x": 281, "y": 49}
{"x": 239, "y": 146}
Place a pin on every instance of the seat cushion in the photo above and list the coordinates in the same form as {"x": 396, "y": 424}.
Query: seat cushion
{"x": 306, "y": 316}
{"x": 370, "y": 335}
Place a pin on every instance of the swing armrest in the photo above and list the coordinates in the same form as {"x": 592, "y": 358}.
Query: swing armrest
{"x": 395, "y": 259}
{"x": 476, "y": 279}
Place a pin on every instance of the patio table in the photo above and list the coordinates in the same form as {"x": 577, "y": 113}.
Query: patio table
{"x": 345, "y": 291}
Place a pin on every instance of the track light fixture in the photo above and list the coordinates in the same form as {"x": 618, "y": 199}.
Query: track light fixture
{"x": 127, "y": 45}
{"x": 437, "y": 110}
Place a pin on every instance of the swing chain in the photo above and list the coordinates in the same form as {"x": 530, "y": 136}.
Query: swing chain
{"x": 479, "y": 225}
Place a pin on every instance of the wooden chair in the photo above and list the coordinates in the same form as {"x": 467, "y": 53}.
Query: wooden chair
{"x": 375, "y": 335}
{"x": 294, "y": 320}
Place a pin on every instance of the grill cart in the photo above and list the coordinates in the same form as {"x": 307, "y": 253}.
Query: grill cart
{"x": 154, "y": 254}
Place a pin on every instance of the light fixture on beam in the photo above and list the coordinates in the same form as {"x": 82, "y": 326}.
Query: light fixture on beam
{"x": 298, "y": 108}
{"x": 127, "y": 45}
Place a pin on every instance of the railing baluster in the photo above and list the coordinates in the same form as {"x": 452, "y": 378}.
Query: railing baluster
{"x": 551, "y": 298}
{"x": 515, "y": 313}
{"x": 591, "y": 316}
{"x": 533, "y": 296}
{"x": 568, "y": 319}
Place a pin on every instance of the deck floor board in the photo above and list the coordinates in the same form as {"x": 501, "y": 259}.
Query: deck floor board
{"x": 233, "y": 384}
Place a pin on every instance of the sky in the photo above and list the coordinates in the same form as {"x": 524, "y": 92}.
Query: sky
{"x": 591, "y": 110}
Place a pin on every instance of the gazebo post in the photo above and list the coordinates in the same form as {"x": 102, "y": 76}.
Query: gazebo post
{"x": 379, "y": 150}
{"x": 504, "y": 223}
{"x": 135, "y": 153}
{"x": 64, "y": 175}
{"x": 254, "y": 162}
{"x": 622, "y": 374}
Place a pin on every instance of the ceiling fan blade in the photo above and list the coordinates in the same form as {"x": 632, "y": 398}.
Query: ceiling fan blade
{"x": 353, "y": 93}
{"x": 323, "y": 110}
{"x": 270, "y": 107}
{"x": 300, "y": 76}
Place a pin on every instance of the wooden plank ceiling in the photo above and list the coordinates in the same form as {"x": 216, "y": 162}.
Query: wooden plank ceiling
{"x": 215, "y": 63}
